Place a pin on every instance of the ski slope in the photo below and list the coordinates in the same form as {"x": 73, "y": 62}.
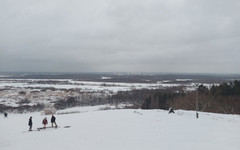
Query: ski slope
{"x": 93, "y": 128}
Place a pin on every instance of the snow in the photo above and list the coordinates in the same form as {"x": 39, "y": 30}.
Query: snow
{"x": 93, "y": 86}
{"x": 10, "y": 89}
{"x": 106, "y": 78}
{"x": 71, "y": 84}
{"x": 94, "y": 128}
{"x": 183, "y": 80}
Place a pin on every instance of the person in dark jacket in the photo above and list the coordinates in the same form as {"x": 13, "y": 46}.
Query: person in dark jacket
{"x": 53, "y": 121}
{"x": 5, "y": 115}
{"x": 170, "y": 110}
{"x": 44, "y": 122}
{"x": 30, "y": 123}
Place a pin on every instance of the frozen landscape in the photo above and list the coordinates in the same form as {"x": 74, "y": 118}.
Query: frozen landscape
{"x": 111, "y": 71}
{"x": 45, "y": 89}
{"x": 122, "y": 129}
{"x": 106, "y": 127}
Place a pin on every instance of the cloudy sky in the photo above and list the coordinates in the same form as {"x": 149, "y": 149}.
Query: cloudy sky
{"x": 187, "y": 36}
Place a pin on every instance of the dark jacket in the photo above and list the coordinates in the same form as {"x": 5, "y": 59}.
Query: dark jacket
{"x": 53, "y": 119}
{"x": 30, "y": 122}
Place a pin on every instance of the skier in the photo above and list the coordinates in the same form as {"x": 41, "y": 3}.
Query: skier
{"x": 44, "y": 122}
{"x": 170, "y": 110}
{"x": 53, "y": 121}
{"x": 5, "y": 115}
{"x": 30, "y": 124}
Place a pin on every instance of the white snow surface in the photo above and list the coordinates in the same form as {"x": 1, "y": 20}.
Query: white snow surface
{"x": 94, "y": 86}
{"x": 93, "y": 128}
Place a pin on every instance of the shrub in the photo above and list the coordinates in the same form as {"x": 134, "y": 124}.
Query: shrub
{"x": 49, "y": 111}
{"x": 22, "y": 93}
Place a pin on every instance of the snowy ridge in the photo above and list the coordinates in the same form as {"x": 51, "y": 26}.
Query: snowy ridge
{"x": 118, "y": 129}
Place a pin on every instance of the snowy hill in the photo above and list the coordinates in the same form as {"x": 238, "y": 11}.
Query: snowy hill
{"x": 93, "y": 128}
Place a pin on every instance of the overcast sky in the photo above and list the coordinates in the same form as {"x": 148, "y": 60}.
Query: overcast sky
{"x": 186, "y": 36}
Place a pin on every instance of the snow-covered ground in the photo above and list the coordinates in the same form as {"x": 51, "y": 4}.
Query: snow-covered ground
{"x": 84, "y": 85}
{"x": 93, "y": 128}
{"x": 92, "y": 86}
{"x": 10, "y": 89}
{"x": 11, "y": 96}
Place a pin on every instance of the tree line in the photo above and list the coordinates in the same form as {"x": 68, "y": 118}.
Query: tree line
{"x": 224, "y": 98}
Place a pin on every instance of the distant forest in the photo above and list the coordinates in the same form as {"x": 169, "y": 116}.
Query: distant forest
{"x": 224, "y": 98}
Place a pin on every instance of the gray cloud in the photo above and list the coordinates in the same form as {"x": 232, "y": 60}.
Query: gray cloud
{"x": 127, "y": 35}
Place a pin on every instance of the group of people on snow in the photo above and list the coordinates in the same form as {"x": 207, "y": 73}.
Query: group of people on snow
{"x": 44, "y": 122}
{"x": 53, "y": 120}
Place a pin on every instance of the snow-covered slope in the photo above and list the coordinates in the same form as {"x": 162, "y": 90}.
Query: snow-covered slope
{"x": 95, "y": 129}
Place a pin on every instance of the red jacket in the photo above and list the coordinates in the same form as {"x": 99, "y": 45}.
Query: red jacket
{"x": 45, "y": 121}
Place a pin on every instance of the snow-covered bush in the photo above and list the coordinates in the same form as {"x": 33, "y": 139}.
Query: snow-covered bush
{"x": 49, "y": 111}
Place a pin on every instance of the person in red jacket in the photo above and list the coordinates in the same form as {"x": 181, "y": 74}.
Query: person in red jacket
{"x": 44, "y": 122}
